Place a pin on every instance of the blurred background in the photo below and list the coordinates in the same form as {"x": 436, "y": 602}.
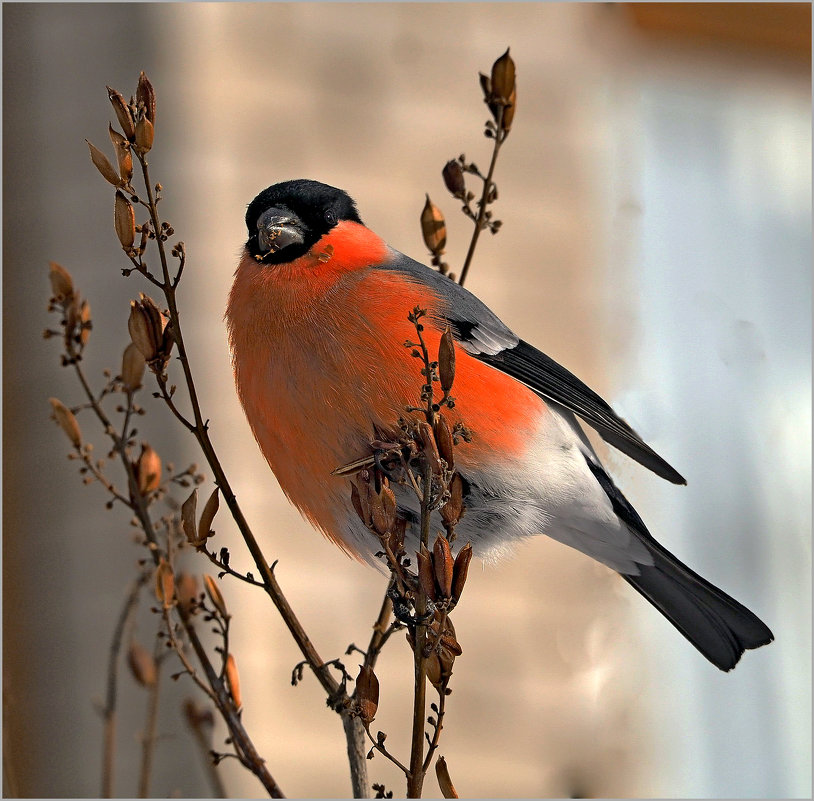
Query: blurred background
{"x": 656, "y": 198}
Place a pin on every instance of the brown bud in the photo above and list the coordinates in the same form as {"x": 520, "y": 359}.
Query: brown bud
{"x": 443, "y": 439}
{"x": 67, "y": 421}
{"x": 443, "y": 565}
{"x": 508, "y": 111}
{"x": 433, "y": 228}
{"x": 453, "y": 176}
{"x": 101, "y": 163}
{"x": 426, "y": 576}
{"x": 503, "y": 77}
{"x": 142, "y": 665}
{"x": 123, "y": 114}
{"x": 451, "y": 510}
{"x": 207, "y": 516}
{"x": 84, "y": 323}
{"x": 444, "y": 782}
{"x": 188, "y": 518}
{"x": 460, "y": 570}
{"x": 214, "y": 593}
{"x": 164, "y": 583}
{"x": 124, "y": 220}
{"x": 123, "y": 157}
{"x": 186, "y": 589}
{"x": 144, "y": 135}
{"x": 367, "y": 694}
{"x": 233, "y": 680}
{"x": 146, "y": 325}
{"x": 148, "y": 470}
{"x": 146, "y": 94}
{"x": 446, "y": 360}
{"x": 133, "y": 365}
{"x": 61, "y": 282}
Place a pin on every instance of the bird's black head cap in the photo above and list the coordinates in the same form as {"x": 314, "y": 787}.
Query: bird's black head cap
{"x": 287, "y": 219}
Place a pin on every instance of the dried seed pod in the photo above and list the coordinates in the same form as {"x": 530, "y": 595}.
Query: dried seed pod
{"x": 453, "y": 176}
{"x": 188, "y": 518}
{"x": 61, "y": 283}
{"x": 443, "y": 565}
{"x": 486, "y": 86}
{"x": 460, "y": 570}
{"x": 123, "y": 114}
{"x": 67, "y": 421}
{"x": 148, "y": 470}
{"x": 367, "y": 694}
{"x": 508, "y": 112}
{"x": 428, "y": 445}
{"x": 133, "y": 365}
{"x": 207, "y": 516}
{"x": 186, "y": 590}
{"x": 233, "y": 680}
{"x": 144, "y": 136}
{"x": 397, "y": 531}
{"x": 101, "y": 163}
{"x": 146, "y": 326}
{"x": 142, "y": 665}
{"x": 124, "y": 220}
{"x": 164, "y": 583}
{"x": 214, "y": 593}
{"x": 426, "y": 575}
{"x": 443, "y": 439}
{"x": 433, "y": 228}
{"x": 434, "y": 670}
{"x": 146, "y": 94}
{"x": 503, "y": 77}
{"x": 446, "y": 360}
{"x": 123, "y": 156}
{"x": 444, "y": 781}
{"x": 452, "y": 509}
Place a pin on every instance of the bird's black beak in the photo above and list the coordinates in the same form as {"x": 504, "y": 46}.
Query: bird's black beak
{"x": 277, "y": 229}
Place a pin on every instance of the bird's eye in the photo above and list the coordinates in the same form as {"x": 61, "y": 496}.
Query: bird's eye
{"x": 330, "y": 216}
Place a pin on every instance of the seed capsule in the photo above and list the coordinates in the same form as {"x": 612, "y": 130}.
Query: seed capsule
{"x": 433, "y": 228}
{"x": 503, "y": 79}
{"x": 444, "y": 781}
{"x": 101, "y": 163}
{"x": 148, "y": 470}
{"x": 123, "y": 114}
{"x": 215, "y": 595}
{"x": 133, "y": 365}
{"x": 453, "y": 176}
{"x": 188, "y": 518}
{"x": 144, "y": 135}
{"x": 460, "y": 570}
{"x": 426, "y": 576}
{"x": 446, "y": 360}
{"x": 233, "y": 680}
{"x": 443, "y": 565}
{"x": 124, "y": 220}
{"x": 67, "y": 421}
{"x": 146, "y": 94}
{"x": 208, "y": 516}
{"x": 367, "y": 694}
{"x": 61, "y": 283}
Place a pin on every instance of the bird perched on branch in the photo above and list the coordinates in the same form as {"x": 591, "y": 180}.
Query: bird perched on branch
{"x": 317, "y": 321}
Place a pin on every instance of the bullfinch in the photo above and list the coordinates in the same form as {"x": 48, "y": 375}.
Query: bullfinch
{"x": 317, "y": 320}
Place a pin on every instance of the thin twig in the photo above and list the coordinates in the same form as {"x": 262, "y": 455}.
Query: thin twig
{"x": 500, "y": 137}
{"x": 109, "y": 711}
{"x": 148, "y": 738}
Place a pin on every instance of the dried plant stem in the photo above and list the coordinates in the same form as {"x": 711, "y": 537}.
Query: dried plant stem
{"x": 337, "y": 698}
{"x": 148, "y": 738}
{"x": 109, "y": 711}
{"x": 246, "y": 751}
{"x": 415, "y": 778}
{"x": 500, "y": 137}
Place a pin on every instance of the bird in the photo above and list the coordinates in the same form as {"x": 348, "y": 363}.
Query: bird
{"x": 317, "y": 319}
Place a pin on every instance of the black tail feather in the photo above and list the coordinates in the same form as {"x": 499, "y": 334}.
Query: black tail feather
{"x": 717, "y": 625}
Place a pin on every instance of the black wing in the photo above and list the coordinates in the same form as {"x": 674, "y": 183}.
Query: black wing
{"x": 482, "y": 334}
